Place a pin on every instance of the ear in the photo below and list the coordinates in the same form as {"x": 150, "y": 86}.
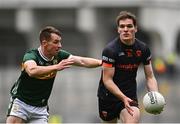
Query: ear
{"x": 135, "y": 29}
{"x": 44, "y": 42}
{"x": 118, "y": 30}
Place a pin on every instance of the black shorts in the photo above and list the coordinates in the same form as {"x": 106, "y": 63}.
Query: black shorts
{"x": 109, "y": 110}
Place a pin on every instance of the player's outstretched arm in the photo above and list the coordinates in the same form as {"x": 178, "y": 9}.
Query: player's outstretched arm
{"x": 34, "y": 70}
{"x": 85, "y": 61}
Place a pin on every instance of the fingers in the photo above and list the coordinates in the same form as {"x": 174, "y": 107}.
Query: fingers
{"x": 66, "y": 63}
{"x": 128, "y": 105}
{"x": 130, "y": 110}
{"x": 67, "y": 60}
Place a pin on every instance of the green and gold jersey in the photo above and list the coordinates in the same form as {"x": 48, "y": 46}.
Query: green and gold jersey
{"x": 36, "y": 91}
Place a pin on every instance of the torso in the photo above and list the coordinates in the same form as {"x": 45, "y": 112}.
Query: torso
{"x": 126, "y": 60}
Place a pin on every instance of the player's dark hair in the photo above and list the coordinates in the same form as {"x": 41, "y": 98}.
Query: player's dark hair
{"x": 126, "y": 15}
{"x": 45, "y": 33}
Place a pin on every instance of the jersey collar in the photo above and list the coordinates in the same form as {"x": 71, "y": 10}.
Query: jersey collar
{"x": 43, "y": 56}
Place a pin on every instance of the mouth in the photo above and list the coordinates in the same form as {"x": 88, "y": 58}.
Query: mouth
{"x": 57, "y": 50}
{"x": 126, "y": 35}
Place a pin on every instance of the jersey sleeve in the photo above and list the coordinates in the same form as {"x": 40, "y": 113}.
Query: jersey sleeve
{"x": 29, "y": 56}
{"x": 146, "y": 56}
{"x": 108, "y": 58}
{"x": 63, "y": 54}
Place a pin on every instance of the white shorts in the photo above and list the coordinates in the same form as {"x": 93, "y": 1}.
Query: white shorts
{"x": 31, "y": 114}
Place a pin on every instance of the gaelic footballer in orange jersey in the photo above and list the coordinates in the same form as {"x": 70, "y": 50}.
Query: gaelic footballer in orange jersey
{"x": 117, "y": 92}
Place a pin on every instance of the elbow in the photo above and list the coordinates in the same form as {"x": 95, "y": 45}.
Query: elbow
{"x": 105, "y": 80}
{"x": 91, "y": 65}
{"x": 88, "y": 63}
{"x": 31, "y": 73}
{"x": 83, "y": 64}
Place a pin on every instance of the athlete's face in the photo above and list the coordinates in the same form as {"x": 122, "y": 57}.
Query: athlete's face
{"x": 127, "y": 30}
{"x": 53, "y": 46}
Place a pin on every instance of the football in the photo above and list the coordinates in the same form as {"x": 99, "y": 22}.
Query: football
{"x": 153, "y": 102}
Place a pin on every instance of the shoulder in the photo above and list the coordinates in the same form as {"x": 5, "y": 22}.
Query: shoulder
{"x": 146, "y": 53}
{"x": 112, "y": 45}
{"x": 141, "y": 45}
{"x": 30, "y": 54}
{"x": 32, "y": 51}
{"x": 63, "y": 54}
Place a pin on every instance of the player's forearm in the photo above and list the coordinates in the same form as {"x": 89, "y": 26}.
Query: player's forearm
{"x": 91, "y": 63}
{"x": 151, "y": 80}
{"x": 152, "y": 84}
{"x": 112, "y": 87}
{"x": 86, "y": 62}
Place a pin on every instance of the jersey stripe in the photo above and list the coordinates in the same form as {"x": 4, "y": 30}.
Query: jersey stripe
{"x": 107, "y": 64}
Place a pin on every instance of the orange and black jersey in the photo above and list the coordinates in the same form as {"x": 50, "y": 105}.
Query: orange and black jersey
{"x": 126, "y": 60}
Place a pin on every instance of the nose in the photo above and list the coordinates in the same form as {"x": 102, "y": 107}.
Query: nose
{"x": 125, "y": 28}
{"x": 59, "y": 45}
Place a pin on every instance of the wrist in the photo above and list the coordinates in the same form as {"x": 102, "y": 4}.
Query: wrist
{"x": 123, "y": 97}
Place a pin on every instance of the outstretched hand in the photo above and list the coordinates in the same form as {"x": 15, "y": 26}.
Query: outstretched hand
{"x": 65, "y": 63}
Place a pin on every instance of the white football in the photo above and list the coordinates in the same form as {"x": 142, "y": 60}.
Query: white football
{"x": 153, "y": 102}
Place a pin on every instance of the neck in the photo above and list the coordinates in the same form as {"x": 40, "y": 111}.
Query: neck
{"x": 44, "y": 54}
{"x": 128, "y": 42}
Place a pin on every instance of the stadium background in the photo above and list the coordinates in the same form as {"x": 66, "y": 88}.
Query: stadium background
{"x": 87, "y": 25}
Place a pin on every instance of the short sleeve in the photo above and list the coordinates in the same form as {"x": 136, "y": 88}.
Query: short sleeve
{"x": 29, "y": 56}
{"x": 108, "y": 58}
{"x": 63, "y": 54}
{"x": 146, "y": 56}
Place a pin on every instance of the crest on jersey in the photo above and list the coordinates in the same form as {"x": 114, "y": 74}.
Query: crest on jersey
{"x": 138, "y": 53}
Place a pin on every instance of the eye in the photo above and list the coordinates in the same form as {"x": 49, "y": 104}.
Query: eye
{"x": 130, "y": 26}
{"x": 122, "y": 26}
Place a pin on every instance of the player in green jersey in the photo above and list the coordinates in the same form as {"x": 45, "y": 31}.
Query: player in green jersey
{"x": 30, "y": 93}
